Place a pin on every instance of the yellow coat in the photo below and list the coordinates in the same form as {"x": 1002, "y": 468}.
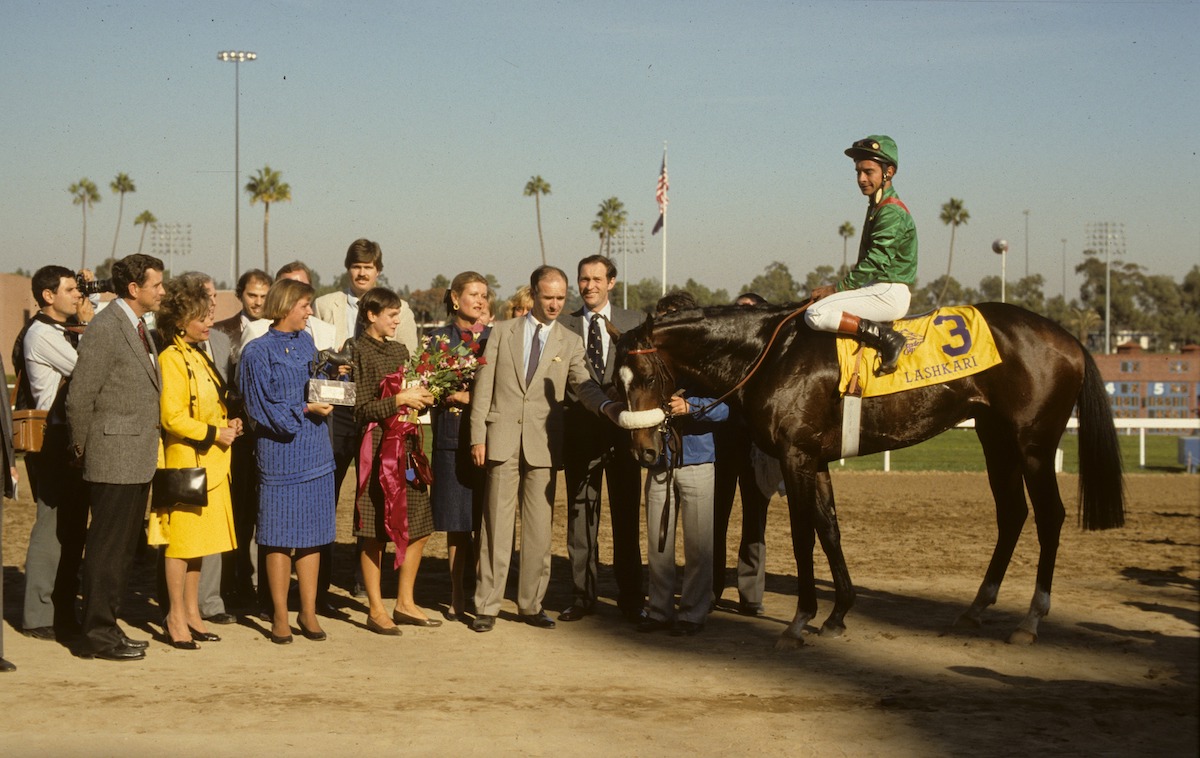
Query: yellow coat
{"x": 191, "y": 412}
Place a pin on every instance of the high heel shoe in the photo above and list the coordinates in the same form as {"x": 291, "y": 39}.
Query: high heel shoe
{"x": 284, "y": 640}
{"x": 203, "y": 636}
{"x": 314, "y": 636}
{"x": 184, "y": 644}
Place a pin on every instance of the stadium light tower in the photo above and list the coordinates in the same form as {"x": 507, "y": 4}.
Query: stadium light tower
{"x": 237, "y": 57}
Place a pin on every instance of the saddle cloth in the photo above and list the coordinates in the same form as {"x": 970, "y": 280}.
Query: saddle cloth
{"x": 944, "y": 345}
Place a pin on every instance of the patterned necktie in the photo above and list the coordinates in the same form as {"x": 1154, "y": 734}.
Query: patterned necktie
{"x": 595, "y": 346}
{"x": 535, "y": 354}
{"x": 141, "y": 330}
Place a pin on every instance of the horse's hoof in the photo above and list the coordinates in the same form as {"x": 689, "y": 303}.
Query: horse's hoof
{"x": 830, "y": 630}
{"x": 789, "y": 643}
{"x": 967, "y": 621}
{"x": 1022, "y": 637}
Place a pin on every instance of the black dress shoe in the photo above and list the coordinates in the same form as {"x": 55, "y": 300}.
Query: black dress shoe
{"x": 40, "y": 633}
{"x": 203, "y": 636}
{"x": 685, "y": 629}
{"x": 574, "y": 612}
{"x": 221, "y": 618}
{"x": 119, "y": 653}
{"x": 135, "y": 644}
{"x": 634, "y": 615}
{"x": 647, "y": 625}
{"x": 751, "y": 609}
{"x": 6, "y": 667}
{"x": 483, "y": 624}
{"x": 539, "y": 620}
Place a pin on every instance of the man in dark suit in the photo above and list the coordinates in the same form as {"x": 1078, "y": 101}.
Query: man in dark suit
{"x": 595, "y": 449}
{"x": 251, "y": 292}
{"x": 517, "y": 433}
{"x": 113, "y": 413}
{"x": 238, "y": 574}
{"x": 8, "y": 469}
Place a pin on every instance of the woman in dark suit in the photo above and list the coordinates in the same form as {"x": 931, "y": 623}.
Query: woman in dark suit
{"x": 457, "y": 482}
{"x": 376, "y": 355}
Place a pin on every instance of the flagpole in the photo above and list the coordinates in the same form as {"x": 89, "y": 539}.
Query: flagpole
{"x": 661, "y": 196}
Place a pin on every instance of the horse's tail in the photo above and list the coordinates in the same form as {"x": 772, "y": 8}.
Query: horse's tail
{"x": 1101, "y": 482}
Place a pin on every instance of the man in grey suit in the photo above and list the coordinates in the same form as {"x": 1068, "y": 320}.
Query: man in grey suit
{"x": 113, "y": 413}
{"x": 517, "y": 433}
{"x": 8, "y": 469}
{"x": 596, "y": 449}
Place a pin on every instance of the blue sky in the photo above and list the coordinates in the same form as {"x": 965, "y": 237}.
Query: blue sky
{"x": 418, "y": 124}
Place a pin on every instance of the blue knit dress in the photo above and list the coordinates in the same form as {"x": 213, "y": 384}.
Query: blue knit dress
{"x": 296, "y": 500}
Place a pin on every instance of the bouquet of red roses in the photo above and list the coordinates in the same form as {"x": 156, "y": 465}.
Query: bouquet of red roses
{"x": 444, "y": 370}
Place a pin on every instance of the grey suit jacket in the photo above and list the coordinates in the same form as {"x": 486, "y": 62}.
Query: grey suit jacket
{"x": 218, "y": 343}
{"x": 622, "y": 319}
{"x": 332, "y": 308}
{"x": 112, "y": 406}
{"x": 513, "y": 419}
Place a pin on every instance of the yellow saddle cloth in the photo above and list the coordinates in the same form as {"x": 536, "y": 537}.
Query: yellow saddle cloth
{"x": 947, "y": 344}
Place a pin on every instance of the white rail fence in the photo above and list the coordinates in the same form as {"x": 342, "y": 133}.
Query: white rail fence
{"x": 1128, "y": 424}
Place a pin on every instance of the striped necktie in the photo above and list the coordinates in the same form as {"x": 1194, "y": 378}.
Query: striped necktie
{"x": 535, "y": 354}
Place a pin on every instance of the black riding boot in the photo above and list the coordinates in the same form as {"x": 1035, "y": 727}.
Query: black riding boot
{"x": 886, "y": 340}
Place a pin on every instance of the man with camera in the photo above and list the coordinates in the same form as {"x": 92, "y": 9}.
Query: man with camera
{"x": 44, "y": 356}
{"x": 112, "y": 410}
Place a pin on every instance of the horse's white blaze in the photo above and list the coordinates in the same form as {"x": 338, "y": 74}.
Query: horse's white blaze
{"x": 626, "y": 375}
{"x": 641, "y": 419}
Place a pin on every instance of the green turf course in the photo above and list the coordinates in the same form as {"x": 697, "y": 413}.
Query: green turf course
{"x": 959, "y": 450}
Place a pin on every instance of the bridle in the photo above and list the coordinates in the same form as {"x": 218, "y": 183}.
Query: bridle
{"x": 762, "y": 356}
{"x": 671, "y": 438}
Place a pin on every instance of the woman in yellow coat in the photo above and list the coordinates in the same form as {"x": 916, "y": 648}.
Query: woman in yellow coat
{"x": 197, "y": 431}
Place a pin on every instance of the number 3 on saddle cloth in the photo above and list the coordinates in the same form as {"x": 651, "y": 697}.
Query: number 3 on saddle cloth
{"x": 944, "y": 345}
{"x": 947, "y": 344}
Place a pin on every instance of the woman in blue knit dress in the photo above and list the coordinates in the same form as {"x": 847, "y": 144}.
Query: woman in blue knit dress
{"x": 295, "y": 456}
{"x": 457, "y": 490}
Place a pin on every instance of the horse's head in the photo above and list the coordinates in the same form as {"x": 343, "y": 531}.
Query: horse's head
{"x": 645, "y": 383}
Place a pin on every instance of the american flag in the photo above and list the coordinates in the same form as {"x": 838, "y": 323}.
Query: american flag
{"x": 661, "y": 196}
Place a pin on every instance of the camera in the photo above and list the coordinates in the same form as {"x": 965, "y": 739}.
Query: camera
{"x": 94, "y": 287}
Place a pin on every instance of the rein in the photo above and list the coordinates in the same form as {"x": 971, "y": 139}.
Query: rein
{"x": 762, "y": 356}
{"x": 671, "y": 438}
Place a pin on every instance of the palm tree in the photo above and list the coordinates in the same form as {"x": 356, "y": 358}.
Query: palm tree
{"x": 120, "y": 186}
{"x": 537, "y": 186}
{"x": 266, "y": 187}
{"x": 953, "y": 214}
{"x": 84, "y": 193}
{"x": 609, "y": 220}
{"x": 846, "y": 230}
{"x": 145, "y": 218}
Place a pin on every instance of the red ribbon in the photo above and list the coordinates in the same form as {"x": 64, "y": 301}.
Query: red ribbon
{"x": 391, "y": 469}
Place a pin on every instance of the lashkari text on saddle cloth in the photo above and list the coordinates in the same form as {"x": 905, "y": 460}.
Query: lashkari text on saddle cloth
{"x": 948, "y": 344}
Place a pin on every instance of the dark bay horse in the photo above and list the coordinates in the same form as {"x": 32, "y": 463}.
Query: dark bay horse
{"x": 792, "y": 405}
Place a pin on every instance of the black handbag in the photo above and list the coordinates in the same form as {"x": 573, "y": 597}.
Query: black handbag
{"x": 179, "y": 488}
{"x": 182, "y": 487}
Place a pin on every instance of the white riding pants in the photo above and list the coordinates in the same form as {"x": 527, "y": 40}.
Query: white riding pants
{"x": 882, "y": 301}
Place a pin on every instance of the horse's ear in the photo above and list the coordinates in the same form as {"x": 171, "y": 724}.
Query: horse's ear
{"x": 613, "y": 332}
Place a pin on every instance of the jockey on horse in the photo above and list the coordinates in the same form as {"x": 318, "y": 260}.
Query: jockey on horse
{"x": 876, "y": 288}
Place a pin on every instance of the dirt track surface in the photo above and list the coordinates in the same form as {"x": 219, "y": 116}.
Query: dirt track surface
{"x": 1115, "y": 671}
